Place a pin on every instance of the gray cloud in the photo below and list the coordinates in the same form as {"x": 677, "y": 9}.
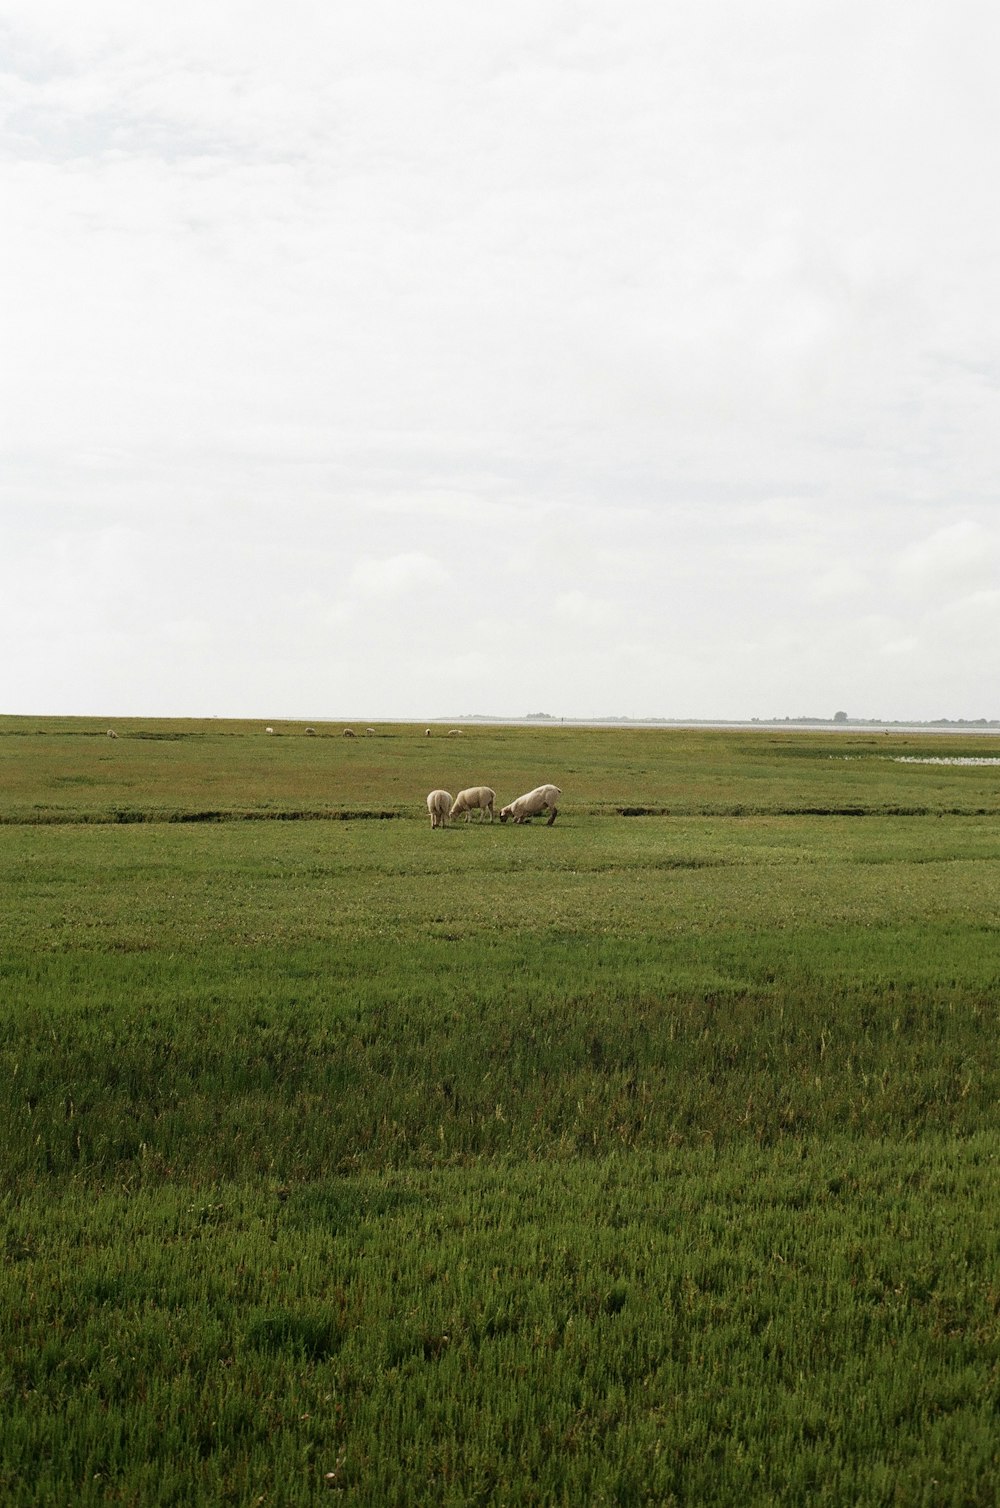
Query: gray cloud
{"x": 663, "y": 341}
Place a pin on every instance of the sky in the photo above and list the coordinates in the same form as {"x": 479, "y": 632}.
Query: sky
{"x": 589, "y": 357}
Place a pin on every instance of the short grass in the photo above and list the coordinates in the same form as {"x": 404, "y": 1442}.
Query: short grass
{"x": 646, "y": 1159}
{"x": 69, "y": 770}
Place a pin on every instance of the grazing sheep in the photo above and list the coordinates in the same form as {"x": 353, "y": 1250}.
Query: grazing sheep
{"x": 454, "y": 732}
{"x": 477, "y": 798}
{"x": 349, "y": 733}
{"x": 439, "y": 806}
{"x": 310, "y": 732}
{"x": 427, "y": 732}
{"x": 112, "y": 733}
{"x": 268, "y": 730}
{"x": 369, "y": 732}
{"x": 532, "y": 803}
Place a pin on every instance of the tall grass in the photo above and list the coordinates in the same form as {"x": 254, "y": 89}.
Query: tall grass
{"x": 766, "y": 1325}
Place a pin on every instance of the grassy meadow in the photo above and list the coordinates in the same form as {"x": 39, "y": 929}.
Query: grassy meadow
{"x": 650, "y": 1158}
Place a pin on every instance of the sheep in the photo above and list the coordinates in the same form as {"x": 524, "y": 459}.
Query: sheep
{"x": 454, "y": 732}
{"x": 310, "y": 732}
{"x": 369, "y": 732}
{"x": 112, "y": 733}
{"x": 427, "y": 732}
{"x": 349, "y": 733}
{"x": 268, "y": 730}
{"x": 532, "y": 803}
{"x": 477, "y": 797}
{"x": 439, "y": 806}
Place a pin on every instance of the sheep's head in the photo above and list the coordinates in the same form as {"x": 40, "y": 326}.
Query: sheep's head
{"x": 504, "y": 813}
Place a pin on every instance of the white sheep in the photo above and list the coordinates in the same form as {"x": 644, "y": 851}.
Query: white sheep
{"x": 112, "y": 733}
{"x": 532, "y": 803}
{"x": 477, "y": 798}
{"x": 369, "y": 732}
{"x": 268, "y": 730}
{"x": 454, "y": 732}
{"x": 310, "y": 732}
{"x": 439, "y": 806}
{"x": 349, "y": 733}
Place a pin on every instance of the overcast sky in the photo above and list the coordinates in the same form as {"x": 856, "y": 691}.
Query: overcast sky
{"x": 379, "y": 359}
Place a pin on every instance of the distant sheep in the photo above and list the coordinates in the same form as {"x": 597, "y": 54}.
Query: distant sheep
{"x": 349, "y": 733}
{"x": 477, "y": 798}
{"x": 369, "y": 732}
{"x": 439, "y": 806}
{"x": 112, "y": 733}
{"x": 268, "y": 730}
{"x": 532, "y": 804}
{"x": 454, "y": 732}
{"x": 310, "y": 732}
{"x": 427, "y": 732}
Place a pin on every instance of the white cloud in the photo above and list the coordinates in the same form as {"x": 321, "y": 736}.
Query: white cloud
{"x": 958, "y": 557}
{"x": 900, "y": 647}
{"x": 397, "y": 576}
{"x": 839, "y": 584}
{"x": 578, "y": 609}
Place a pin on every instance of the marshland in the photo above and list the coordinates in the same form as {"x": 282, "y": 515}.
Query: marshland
{"x": 651, "y": 1157}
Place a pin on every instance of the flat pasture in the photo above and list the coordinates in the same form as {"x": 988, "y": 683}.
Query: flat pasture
{"x": 652, "y": 1157}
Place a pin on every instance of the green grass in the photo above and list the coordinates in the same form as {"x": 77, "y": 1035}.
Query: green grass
{"x": 642, "y": 1159}
{"x": 688, "y": 1326}
{"x": 69, "y": 771}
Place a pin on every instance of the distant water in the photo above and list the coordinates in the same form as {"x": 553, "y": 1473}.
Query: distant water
{"x": 762, "y": 725}
{"x": 931, "y": 759}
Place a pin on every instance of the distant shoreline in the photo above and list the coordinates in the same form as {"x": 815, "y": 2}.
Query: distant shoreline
{"x": 786, "y": 724}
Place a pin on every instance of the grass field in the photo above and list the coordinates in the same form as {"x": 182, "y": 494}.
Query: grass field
{"x": 646, "y": 1158}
